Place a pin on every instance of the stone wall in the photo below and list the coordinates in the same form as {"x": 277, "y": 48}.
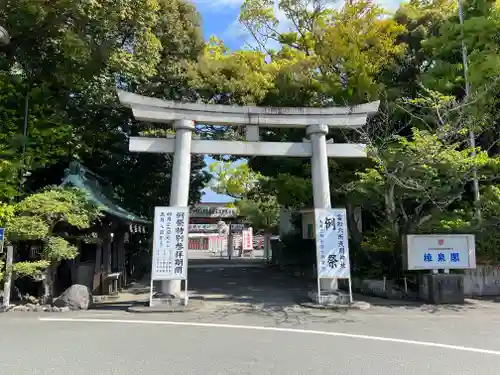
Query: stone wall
{"x": 482, "y": 282}
{"x": 382, "y": 288}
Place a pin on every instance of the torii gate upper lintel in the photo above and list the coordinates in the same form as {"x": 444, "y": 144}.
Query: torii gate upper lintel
{"x": 184, "y": 116}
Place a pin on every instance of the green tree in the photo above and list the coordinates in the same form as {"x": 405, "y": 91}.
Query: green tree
{"x": 433, "y": 60}
{"x": 324, "y": 57}
{"x": 6, "y": 214}
{"x": 71, "y": 90}
{"x": 418, "y": 184}
{"x": 262, "y": 212}
{"x": 41, "y": 217}
{"x": 256, "y": 205}
{"x": 237, "y": 181}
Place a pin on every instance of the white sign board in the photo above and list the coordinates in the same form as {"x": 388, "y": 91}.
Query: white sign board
{"x": 211, "y": 211}
{"x": 440, "y": 251}
{"x": 332, "y": 247}
{"x": 170, "y": 243}
{"x": 247, "y": 239}
{"x": 202, "y": 227}
{"x": 212, "y": 227}
{"x": 237, "y": 227}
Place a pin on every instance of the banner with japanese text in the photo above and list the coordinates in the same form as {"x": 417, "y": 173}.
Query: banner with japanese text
{"x": 247, "y": 241}
{"x": 332, "y": 245}
{"x": 170, "y": 243}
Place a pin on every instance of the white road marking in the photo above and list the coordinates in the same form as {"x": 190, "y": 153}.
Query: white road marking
{"x": 277, "y": 329}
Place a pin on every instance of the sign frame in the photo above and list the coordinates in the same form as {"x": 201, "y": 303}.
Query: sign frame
{"x": 409, "y": 239}
{"x": 339, "y": 236}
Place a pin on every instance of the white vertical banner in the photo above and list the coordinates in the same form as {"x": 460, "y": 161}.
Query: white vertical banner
{"x": 332, "y": 246}
{"x": 170, "y": 243}
{"x": 247, "y": 235}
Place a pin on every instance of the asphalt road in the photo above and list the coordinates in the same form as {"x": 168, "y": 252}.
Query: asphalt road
{"x": 251, "y": 324}
{"x": 355, "y": 343}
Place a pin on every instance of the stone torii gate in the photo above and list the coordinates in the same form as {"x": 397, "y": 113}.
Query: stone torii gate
{"x": 184, "y": 116}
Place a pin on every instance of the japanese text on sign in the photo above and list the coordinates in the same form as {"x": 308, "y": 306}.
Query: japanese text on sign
{"x": 441, "y": 257}
{"x": 332, "y": 243}
{"x": 170, "y": 243}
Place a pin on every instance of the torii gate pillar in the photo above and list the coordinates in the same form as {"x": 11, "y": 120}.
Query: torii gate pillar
{"x": 179, "y": 187}
{"x": 319, "y": 166}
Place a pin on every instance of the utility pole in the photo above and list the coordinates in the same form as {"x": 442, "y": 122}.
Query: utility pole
{"x": 25, "y": 138}
{"x": 472, "y": 136}
{"x": 5, "y": 39}
{"x": 7, "y": 286}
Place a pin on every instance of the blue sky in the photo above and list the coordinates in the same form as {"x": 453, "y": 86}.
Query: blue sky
{"x": 219, "y": 18}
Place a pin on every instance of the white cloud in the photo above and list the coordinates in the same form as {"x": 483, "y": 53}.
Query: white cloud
{"x": 235, "y": 31}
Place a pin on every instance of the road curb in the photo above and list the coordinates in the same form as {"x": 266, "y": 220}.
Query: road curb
{"x": 144, "y": 308}
{"x": 358, "y": 305}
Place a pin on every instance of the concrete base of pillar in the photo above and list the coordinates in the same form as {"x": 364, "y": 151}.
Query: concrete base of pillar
{"x": 442, "y": 289}
{"x": 330, "y": 294}
{"x": 329, "y": 298}
{"x": 170, "y": 287}
{"x": 329, "y": 285}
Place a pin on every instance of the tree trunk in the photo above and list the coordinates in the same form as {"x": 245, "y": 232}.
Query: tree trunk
{"x": 267, "y": 245}
{"x": 354, "y": 223}
{"x": 49, "y": 283}
{"x": 230, "y": 243}
{"x": 390, "y": 207}
{"x": 359, "y": 256}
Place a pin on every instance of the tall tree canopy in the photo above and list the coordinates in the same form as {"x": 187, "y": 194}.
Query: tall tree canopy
{"x": 65, "y": 61}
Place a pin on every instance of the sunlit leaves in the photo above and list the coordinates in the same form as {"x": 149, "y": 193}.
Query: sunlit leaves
{"x": 262, "y": 212}
{"x": 57, "y": 249}
{"x": 6, "y": 213}
{"x": 242, "y": 77}
{"x": 234, "y": 180}
{"x": 29, "y": 269}
{"x": 25, "y": 228}
{"x": 56, "y": 204}
{"x": 37, "y": 216}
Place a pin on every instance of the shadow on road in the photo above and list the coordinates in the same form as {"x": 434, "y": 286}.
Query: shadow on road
{"x": 418, "y": 305}
{"x": 113, "y": 305}
{"x": 252, "y": 289}
{"x": 228, "y": 292}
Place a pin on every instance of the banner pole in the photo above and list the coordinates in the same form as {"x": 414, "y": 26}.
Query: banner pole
{"x": 151, "y": 293}
{"x": 350, "y": 290}
{"x": 319, "y": 284}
